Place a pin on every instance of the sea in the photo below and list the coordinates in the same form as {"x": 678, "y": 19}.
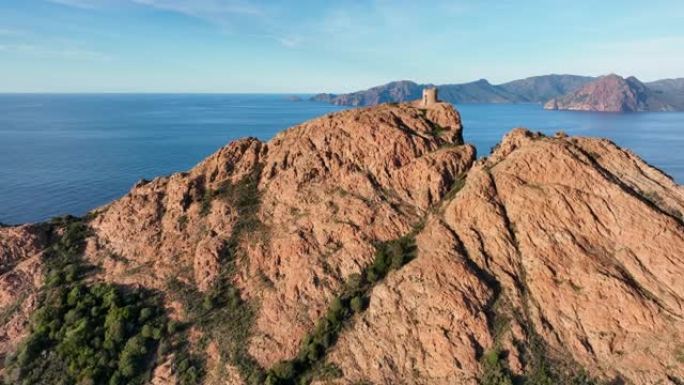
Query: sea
{"x": 69, "y": 153}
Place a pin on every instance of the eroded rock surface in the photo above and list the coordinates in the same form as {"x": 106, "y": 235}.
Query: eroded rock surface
{"x": 329, "y": 189}
{"x": 560, "y": 230}
{"x": 570, "y": 245}
{"x": 21, "y": 274}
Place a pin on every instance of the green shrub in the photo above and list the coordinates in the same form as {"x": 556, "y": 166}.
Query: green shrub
{"x": 86, "y": 337}
{"x": 182, "y": 222}
{"x": 494, "y": 369}
{"x": 309, "y": 361}
{"x": 357, "y": 304}
{"x": 456, "y": 186}
{"x": 85, "y": 333}
{"x": 205, "y": 203}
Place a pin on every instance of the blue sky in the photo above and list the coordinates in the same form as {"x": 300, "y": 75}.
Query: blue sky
{"x": 314, "y": 45}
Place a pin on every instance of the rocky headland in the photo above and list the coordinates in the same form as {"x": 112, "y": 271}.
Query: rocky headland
{"x": 368, "y": 246}
{"x": 612, "y": 93}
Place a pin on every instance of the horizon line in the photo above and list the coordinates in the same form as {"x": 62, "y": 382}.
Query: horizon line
{"x": 296, "y": 93}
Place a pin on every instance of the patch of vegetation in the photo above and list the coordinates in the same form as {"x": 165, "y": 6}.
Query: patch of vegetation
{"x": 187, "y": 366}
{"x": 89, "y": 335}
{"x": 679, "y": 354}
{"x": 541, "y": 369}
{"x": 494, "y": 368}
{"x": 659, "y": 202}
{"x": 83, "y": 333}
{"x": 309, "y": 362}
{"x": 222, "y": 316}
{"x": 653, "y": 197}
{"x": 63, "y": 259}
{"x": 437, "y": 130}
{"x": 205, "y": 203}
{"x": 244, "y": 197}
{"x": 458, "y": 184}
{"x": 220, "y": 313}
{"x": 116, "y": 257}
{"x": 594, "y": 155}
{"x": 182, "y": 221}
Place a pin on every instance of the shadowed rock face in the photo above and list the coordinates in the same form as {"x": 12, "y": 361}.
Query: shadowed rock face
{"x": 576, "y": 243}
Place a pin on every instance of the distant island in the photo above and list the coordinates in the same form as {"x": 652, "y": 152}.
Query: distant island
{"x": 611, "y": 93}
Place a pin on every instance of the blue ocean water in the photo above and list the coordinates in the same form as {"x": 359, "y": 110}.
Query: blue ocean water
{"x": 71, "y": 153}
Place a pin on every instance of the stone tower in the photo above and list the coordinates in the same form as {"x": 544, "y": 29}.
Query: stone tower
{"x": 430, "y": 96}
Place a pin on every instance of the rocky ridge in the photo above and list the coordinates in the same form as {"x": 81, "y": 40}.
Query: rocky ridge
{"x": 554, "y": 257}
{"x": 536, "y": 89}
{"x": 610, "y": 93}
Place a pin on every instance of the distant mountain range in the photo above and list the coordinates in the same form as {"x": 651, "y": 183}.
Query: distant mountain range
{"x": 555, "y": 91}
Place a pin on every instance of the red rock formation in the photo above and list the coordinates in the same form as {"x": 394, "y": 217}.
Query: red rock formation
{"x": 329, "y": 189}
{"x": 20, "y": 277}
{"x": 556, "y": 230}
{"x": 572, "y": 245}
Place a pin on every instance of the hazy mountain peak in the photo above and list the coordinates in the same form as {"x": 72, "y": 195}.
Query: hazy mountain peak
{"x": 611, "y": 93}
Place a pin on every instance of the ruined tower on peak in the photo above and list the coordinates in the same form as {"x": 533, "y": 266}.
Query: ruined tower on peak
{"x": 429, "y": 96}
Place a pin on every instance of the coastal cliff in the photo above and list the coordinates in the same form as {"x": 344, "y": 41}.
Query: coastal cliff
{"x": 611, "y": 93}
{"x": 365, "y": 246}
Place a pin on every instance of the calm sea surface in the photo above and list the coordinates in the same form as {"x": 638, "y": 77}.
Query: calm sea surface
{"x": 71, "y": 153}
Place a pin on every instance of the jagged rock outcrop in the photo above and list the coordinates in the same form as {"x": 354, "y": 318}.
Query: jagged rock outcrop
{"x": 329, "y": 189}
{"x": 611, "y": 93}
{"x": 579, "y": 241}
{"x": 560, "y": 249}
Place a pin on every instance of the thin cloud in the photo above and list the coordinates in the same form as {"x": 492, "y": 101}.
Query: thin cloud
{"x": 45, "y": 52}
{"x": 211, "y": 10}
{"x": 4, "y": 32}
{"x": 290, "y": 41}
{"x": 204, "y": 9}
{"x": 235, "y": 16}
{"x": 83, "y": 4}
